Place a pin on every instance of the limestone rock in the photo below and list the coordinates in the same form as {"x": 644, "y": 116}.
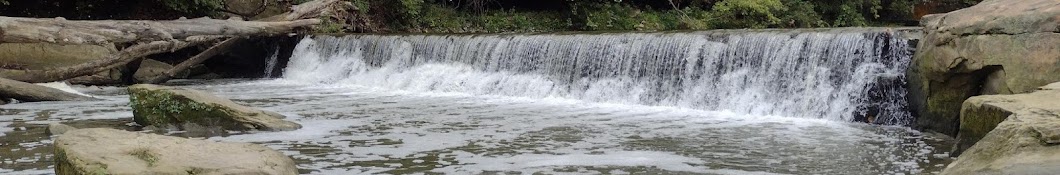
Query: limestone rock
{"x": 1026, "y": 141}
{"x": 110, "y": 151}
{"x": 162, "y": 106}
{"x": 58, "y": 129}
{"x": 33, "y": 93}
{"x": 995, "y": 47}
{"x": 151, "y": 68}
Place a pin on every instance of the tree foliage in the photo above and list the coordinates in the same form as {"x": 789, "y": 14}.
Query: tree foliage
{"x": 198, "y": 7}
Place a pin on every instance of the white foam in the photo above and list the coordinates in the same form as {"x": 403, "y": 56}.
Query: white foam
{"x": 533, "y": 163}
{"x": 825, "y": 75}
{"x": 63, "y": 86}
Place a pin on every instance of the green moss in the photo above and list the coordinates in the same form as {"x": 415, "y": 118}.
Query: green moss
{"x": 160, "y": 108}
{"x": 64, "y": 164}
{"x": 146, "y": 155}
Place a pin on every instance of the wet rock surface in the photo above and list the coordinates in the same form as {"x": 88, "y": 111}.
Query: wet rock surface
{"x": 58, "y": 129}
{"x": 1026, "y": 141}
{"x": 110, "y": 151}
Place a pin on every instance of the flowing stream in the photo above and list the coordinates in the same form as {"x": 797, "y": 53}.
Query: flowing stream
{"x": 712, "y": 102}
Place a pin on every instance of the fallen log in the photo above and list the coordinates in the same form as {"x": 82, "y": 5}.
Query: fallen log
{"x": 194, "y": 60}
{"x": 33, "y": 93}
{"x": 61, "y": 31}
{"x": 312, "y": 9}
{"x": 166, "y": 37}
{"x": 127, "y": 55}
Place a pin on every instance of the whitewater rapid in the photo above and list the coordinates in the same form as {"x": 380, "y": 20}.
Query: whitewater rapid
{"x": 835, "y": 75}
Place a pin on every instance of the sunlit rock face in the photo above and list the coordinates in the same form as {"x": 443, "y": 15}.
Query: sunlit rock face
{"x": 995, "y": 47}
{"x": 1010, "y": 134}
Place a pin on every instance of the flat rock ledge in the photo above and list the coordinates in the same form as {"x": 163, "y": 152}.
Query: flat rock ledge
{"x": 1020, "y": 134}
{"x": 111, "y": 151}
{"x": 163, "y": 106}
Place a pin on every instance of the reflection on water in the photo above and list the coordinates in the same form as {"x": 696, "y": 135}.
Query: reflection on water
{"x": 350, "y": 129}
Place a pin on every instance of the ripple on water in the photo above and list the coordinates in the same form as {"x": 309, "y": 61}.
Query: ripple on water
{"x": 363, "y": 130}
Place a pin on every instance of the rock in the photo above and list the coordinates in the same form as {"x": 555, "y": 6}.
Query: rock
{"x": 1026, "y": 141}
{"x": 995, "y": 47}
{"x": 58, "y": 129}
{"x": 111, "y": 151}
{"x": 981, "y": 114}
{"x": 27, "y": 92}
{"x": 161, "y": 106}
{"x": 150, "y": 68}
{"x": 46, "y": 55}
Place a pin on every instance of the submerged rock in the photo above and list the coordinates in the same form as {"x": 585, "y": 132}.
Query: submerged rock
{"x": 111, "y": 151}
{"x": 1026, "y": 139}
{"x": 58, "y": 129}
{"x": 162, "y": 106}
{"x": 995, "y": 47}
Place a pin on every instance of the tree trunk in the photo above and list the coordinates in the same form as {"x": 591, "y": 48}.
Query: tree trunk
{"x": 61, "y": 31}
{"x": 195, "y": 60}
{"x": 32, "y": 93}
{"x": 165, "y": 34}
{"x": 125, "y": 56}
{"x": 311, "y": 9}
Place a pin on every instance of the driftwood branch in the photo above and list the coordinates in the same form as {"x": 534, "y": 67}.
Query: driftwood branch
{"x": 61, "y": 31}
{"x": 157, "y": 37}
{"x": 125, "y": 56}
{"x": 32, "y": 93}
{"x": 312, "y": 9}
{"x": 195, "y": 60}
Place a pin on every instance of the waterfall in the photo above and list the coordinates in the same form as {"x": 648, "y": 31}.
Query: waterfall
{"x": 831, "y": 74}
{"x": 270, "y": 66}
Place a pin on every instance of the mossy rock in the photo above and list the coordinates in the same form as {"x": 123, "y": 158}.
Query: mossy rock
{"x": 161, "y": 106}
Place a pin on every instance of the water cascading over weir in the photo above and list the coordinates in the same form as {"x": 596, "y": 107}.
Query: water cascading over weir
{"x": 836, "y": 74}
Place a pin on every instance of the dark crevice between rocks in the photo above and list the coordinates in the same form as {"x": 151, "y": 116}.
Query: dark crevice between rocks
{"x": 981, "y": 85}
{"x": 250, "y": 59}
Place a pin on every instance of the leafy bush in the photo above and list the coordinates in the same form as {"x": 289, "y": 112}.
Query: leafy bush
{"x": 748, "y": 13}
{"x": 195, "y": 7}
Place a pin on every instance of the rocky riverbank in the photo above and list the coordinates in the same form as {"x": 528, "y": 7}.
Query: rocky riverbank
{"x": 968, "y": 57}
{"x": 1010, "y": 134}
{"x": 996, "y": 47}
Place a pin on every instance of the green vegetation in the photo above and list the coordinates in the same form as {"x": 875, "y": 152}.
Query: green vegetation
{"x": 473, "y": 16}
{"x": 201, "y": 7}
{"x": 468, "y": 16}
{"x": 146, "y": 155}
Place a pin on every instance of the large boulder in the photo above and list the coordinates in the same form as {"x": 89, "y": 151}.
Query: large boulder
{"x": 111, "y": 151}
{"x": 995, "y": 47}
{"x": 150, "y": 68}
{"x": 981, "y": 114}
{"x": 1026, "y": 141}
{"x": 162, "y": 106}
